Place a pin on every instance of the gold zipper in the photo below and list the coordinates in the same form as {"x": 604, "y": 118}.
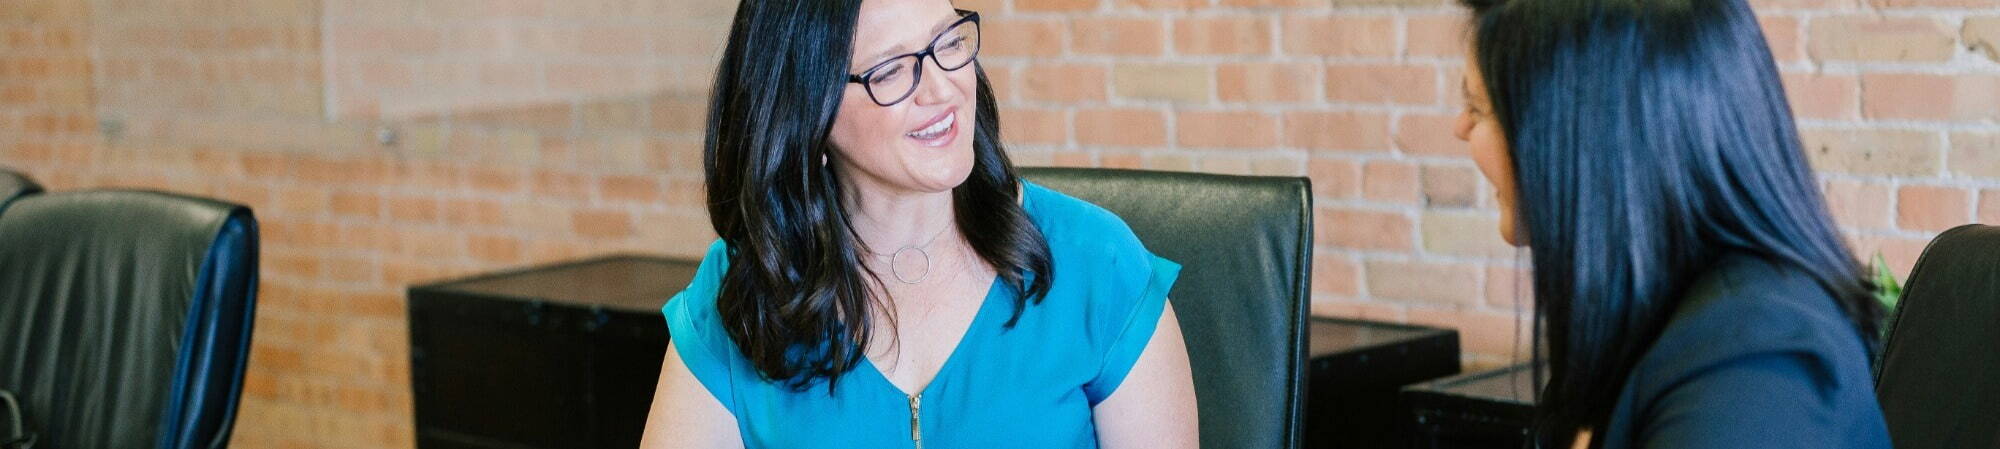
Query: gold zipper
{"x": 916, "y": 421}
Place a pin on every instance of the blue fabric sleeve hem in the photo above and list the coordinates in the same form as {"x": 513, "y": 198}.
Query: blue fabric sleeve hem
{"x": 698, "y": 354}
{"x": 1137, "y": 332}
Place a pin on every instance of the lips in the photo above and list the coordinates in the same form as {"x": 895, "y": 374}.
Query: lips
{"x": 938, "y": 131}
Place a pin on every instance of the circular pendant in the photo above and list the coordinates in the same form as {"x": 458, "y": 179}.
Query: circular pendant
{"x": 896, "y": 262}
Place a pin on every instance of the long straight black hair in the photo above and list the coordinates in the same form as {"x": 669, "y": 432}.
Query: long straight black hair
{"x": 795, "y": 296}
{"x": 1648, "y": 139}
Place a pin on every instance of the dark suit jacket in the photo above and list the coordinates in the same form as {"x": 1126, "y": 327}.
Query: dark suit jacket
{"x": 1757, "y": 355}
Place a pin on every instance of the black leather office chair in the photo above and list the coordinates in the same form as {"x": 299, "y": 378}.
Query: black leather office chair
{"x": 1940, "y": 375}
{"x": 15, "y": 185}
{"x": 125, "y": 317}
{"x": 1245, "y": 248}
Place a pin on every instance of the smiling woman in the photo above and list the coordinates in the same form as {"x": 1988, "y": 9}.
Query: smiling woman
{"x": 883, "y": 278}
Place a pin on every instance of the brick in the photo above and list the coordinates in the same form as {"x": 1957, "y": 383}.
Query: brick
{"x": 347, "y": 38}
{"x": 1275, "y": 4}
{"x": 1123, "y": 160}
{"x": 1339, "y": 36}
{"x": 1381, "y": 84}
{"x": 1859, "y": 204}
{"x": 602, "y": 224}
{"x": 1823, "y": 97}
{"x": 1160, "y": 5}
{"x": 1510, "y": 288}
{"x": 493, "y": 248}
{"x": 1427, "y": 282}
{"x": 1900, "y": 252}
{"x": 1380, "y": 3}
{"x": 1364, "y": 229}
{"x": 1225, "y": 129}
{"x": 1119, "y": 36}
{"x": 1066, "y": 83}
{"x": 560, "y": 185}
{"x": 1766, "y": 6}
{"x": 1871, "y": 38}
{"x": 1121, "y": 127}
{"x": 1989, "y": 206}
{"x": 1169, "y": 82}
{"x": 1034, "y": 126}
{"x": 1500, "y": 334}
{"x": 1074, "y": 159}
{"x": 1441, "y": 36}
{"x": 1926, "y": 4}
{"x": 1055, "y": 5}
{"x": 364, "y": 205}
{"x": 1358, "y": 309}
{"x": 1335, "y": 274}
{"x": 1287, "y": 164}
{"x": 1929, "y": 97}
{"x": 1334, "y": 178}
{"x": 1347, "y": 131}
{"x": 1975, "y": 154}
{"x": 1025, "y": 37}
{"x": 1429, "y": 135}
{"x": 1932, "y": 208}
{"x": 1449, "y": 186}
{"x": 1222, "y": 35}
{"x": 495, "y": 180}
{"x": 1982, "y": 34}
{"x": 629, "y": 188}
{"x": 1882, "y": 152}
{"x": 1389, "y": 181}
{"x": 1266, "y": 82}
{"x": 1781, "y": 35}
{"x": 474, "y": 212}
{"x": 413, "y": 209}
{"x": 1464, "y": 234}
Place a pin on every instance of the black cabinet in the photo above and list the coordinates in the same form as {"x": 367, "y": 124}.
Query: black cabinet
{"x": 1484, "y": 410}
{"x": 556, "y": 356}
{"x": 1356, "y": 370}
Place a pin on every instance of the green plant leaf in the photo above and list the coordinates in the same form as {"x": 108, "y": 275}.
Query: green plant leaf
{"x": 1887, "y": 289}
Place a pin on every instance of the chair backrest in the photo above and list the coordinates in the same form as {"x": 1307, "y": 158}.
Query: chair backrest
{"x": 1940, "y": 375}
{"x": 1244, "y": 244}
{"x": 15, "y": 185}
{"x": 125, "y": 316}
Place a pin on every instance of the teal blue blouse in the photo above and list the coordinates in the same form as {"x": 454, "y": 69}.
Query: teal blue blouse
{"x": 1029, "y": 386}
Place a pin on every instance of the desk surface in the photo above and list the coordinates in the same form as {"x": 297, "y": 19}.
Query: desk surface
{"x": 623, "y": 282}
{"x": 1513, "y": 385}
{"x": 1325, "y": 336}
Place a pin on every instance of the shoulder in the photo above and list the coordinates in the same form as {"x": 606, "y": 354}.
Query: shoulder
{"x": 707, "y": 278}
{"x": 1070, "y": 223}
{"x": 691, "y": 314}
{"x": 1747, "y": 310}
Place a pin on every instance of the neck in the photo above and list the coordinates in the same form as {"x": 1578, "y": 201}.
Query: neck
{"x": 888, "y": 219}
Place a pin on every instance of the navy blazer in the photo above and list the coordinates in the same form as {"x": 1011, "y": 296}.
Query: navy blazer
{"x": 1757, "y": 355}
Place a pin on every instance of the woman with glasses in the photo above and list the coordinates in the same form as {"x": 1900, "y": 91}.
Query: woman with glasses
{"x": 1694, "y": 290}
{"x": 883, "y": 279}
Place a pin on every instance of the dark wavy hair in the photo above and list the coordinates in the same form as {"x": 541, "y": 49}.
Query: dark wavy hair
{"x": 1648, "y": 139}
{"x": 795, "y": 297}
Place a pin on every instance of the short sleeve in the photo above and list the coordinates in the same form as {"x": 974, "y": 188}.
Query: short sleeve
{"x": 695, "y": 328}
{"x": 1135, "y": 325}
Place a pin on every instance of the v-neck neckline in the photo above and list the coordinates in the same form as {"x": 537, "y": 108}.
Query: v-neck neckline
{"x": 957, "y": 351}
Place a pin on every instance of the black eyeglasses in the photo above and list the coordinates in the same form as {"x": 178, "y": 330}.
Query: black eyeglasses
{"x": 896, "y": 78}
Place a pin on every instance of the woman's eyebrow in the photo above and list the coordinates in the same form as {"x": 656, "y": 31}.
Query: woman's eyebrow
{"x": 935, "y": 29}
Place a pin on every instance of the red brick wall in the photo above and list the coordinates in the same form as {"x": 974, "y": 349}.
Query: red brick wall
{"x": 526, "y": 131}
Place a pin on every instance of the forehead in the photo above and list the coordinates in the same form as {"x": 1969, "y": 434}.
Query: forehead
{"x": 889, "y": 25}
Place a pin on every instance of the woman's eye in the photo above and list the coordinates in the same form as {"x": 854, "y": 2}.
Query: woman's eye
{"x": 887, "y": 75}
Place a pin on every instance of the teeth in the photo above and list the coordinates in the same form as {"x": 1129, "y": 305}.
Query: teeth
{"x": 935, "y": 129}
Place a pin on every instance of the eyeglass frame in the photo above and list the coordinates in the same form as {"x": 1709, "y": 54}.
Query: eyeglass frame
{"x": 930, "y": 51}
